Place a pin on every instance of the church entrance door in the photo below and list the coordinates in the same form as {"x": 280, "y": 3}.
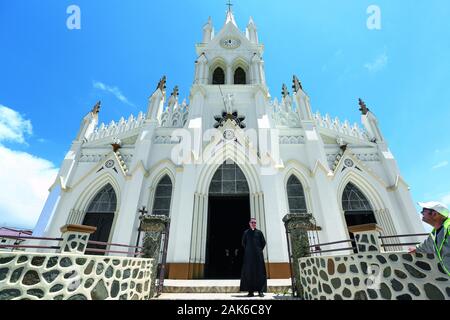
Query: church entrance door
{"x": 100, "y": 214}
{"x": 227, "y": 220}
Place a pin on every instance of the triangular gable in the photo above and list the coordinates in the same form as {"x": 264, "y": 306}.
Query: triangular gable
{"x": 229, "y": 30}
{"x": 110, "y": 163}
{"x": 358, "y": 164}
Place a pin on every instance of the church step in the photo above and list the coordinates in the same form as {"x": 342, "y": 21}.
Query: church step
{"x": 224, "y": 296}
{"x": 276, "y": 286}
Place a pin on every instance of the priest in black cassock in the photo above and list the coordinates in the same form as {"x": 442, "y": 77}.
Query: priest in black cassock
{"x": 253, "y": 275}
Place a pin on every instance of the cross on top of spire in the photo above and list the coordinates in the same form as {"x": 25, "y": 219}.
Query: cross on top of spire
{"x": 229, "y": 4}
{"x": 230, "y": 16}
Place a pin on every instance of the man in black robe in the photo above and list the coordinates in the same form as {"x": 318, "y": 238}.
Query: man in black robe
{"x": 253, "y": 275}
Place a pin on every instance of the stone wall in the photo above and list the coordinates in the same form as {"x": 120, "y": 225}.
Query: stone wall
{"x": 73, "y": 277}
{"x": 374, "y": 276}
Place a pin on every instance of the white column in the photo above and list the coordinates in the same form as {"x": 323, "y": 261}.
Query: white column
{"x": 229, "y": 75}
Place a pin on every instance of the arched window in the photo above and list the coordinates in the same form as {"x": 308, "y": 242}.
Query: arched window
{"x": 100, "y": 214}
{"x": 240, "y": 76}
{"x": 296, "y": 196}
{"x": 163, "y": 197}
{"x": 229, "y": 180}
{"x": 218, "y": 76}
{"x": 356, "y": 207}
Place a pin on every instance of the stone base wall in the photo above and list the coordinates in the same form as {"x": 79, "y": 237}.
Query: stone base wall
{"x": 73, "y": 277}
{"x": 375, "y": 276}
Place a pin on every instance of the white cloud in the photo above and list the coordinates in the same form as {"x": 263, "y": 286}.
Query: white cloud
{"x": 113, "y": 90}
{"x": 378, "y": 64}
{"x": 13, "y": 127}
{"x": 24, "y": 180}
{"x": 440, "y": 165}
{"x": 444, "y": 150}
{"x": 446, "y": 199}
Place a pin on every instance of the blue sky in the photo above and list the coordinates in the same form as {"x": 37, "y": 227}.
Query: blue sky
{"x": 52, "y": 76}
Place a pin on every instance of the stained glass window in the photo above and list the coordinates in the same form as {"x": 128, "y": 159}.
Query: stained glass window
{"x": 105, "y": 201}
{"x": 163, "y": 197}
{"x": 354, "y": 200}
{"x": 296, "y": 196}
{"x": 229, "y": 180}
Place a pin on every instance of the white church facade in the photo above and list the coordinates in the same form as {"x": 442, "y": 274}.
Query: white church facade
{"x": 231, "y": 154}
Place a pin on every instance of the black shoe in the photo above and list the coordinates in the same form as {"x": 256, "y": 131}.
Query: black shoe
{"x": 250, "y": 294}
{"x": 261, "y": 294}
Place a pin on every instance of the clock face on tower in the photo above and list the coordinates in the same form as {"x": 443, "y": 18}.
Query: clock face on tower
{"x": 230, "y": 43}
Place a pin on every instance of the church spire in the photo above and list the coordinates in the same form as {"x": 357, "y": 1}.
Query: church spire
{"x": 230, "y": 15}
{"x": 252, "y": 33}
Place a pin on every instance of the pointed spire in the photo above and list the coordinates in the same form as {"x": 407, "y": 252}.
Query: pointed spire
{"x": 175, "y": 92}
{"x": 363, "y": 108}
{"x": 284, "y": 91}
{"x": 208, "y": 31}
{"x": 96, "y": 108}
{"x": 208, "y": 24}
{"x": 251, "y": 31}
{"x": 251, "y": 23}
{"x": 162, "y": 84}
{"x": 297, "y": 85}
{"x": 230, "y": 15}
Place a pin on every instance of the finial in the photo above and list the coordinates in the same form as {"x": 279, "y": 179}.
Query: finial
{"x": 364, "y": 110}
{"x": 96, "y": 108}
{"x": 175, "y": 92}
{"x": 162, "y": 84}
{"x": 117, "y": 144}
{"x": 284, "y": 91}
{"x": 297, "y": 85}
{"x": 229, "y": 4}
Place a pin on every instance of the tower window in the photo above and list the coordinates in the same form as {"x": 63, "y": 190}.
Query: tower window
{"x": 218, "y": 76}
{"x": 239, "y": 76}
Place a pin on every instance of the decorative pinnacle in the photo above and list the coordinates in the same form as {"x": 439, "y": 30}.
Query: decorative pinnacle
{"x": 297, "y": 85}
{"x": 96, "y": 108}
{"x": 162, "y": 84}
{"x": 364, "y": 110}
{"x": 175, "y": 91}
{"x": 284, "y": 91}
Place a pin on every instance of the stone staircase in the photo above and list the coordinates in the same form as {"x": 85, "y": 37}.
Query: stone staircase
{"x": 221, "y": 290}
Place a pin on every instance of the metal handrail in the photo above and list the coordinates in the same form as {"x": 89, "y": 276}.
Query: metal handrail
{"x": 19, "y": 246}
{"x": 330, "y": 243}
{"x": 29, "y": 238}
{"x": 111, "y": 251}
{"x": 113, "y": 244}
{"x": 332, "y": 250}
{"x": 401, "y": 244}
{"x": 405, "y": 235}
{"x": 14, "y": 246}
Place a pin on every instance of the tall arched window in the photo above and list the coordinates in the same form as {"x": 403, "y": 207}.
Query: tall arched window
{"x": 218, "y": 76}
{"x": 356, "y": 206}
{"x": 229, "y": 180}
{"x": 163, "y": 197}
{"x": 100, "y": 214}
{"x": 296, "y": 196}
{"x": 240, "y": 76}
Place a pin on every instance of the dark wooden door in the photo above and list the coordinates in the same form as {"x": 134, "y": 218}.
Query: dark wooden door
{"x": 103, "y": 222}
{"x": 228, "y": 219}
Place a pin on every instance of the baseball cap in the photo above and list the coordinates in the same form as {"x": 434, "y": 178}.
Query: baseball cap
{"x": 436, "y": 206}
